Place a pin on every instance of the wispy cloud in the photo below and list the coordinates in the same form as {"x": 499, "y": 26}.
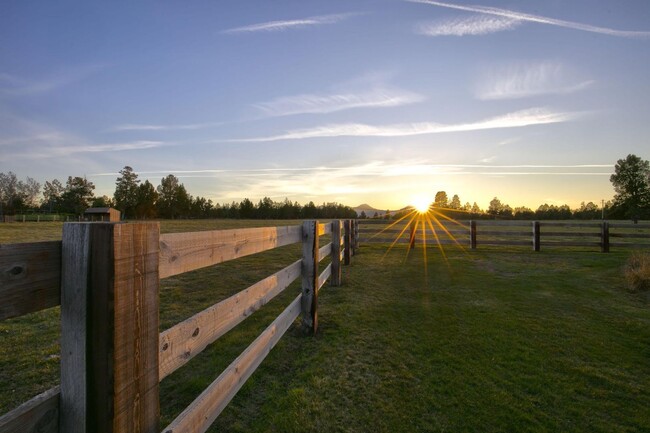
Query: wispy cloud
{"x": 474, "y": 25}
{"x": 373, "y": 168}
{"x": 380, "y": 97}
{"x": 22, "y": 138}
{"x": 41, "y": 152}
{"x": 514, "y": 15}
{"x": 278, "y": 26}
{"x": 161, "y": 127}
{"x": 533, "y": 116}
{"x": 523, "y": 80}
{"x": 15, "y": 86}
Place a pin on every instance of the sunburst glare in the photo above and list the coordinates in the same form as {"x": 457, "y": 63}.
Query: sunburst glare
{"x": 421, "y": 204}
{"x": 425, "y": 224}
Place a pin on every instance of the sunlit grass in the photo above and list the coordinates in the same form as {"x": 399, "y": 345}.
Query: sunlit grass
{"x": 494, "y": 340}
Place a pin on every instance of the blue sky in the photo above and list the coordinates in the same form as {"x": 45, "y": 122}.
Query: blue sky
{"x": 377, "y": 101}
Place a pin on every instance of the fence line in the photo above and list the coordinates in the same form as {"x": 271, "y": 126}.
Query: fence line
{"x": 106, "y": 278}
{"x": 535, "y": 234}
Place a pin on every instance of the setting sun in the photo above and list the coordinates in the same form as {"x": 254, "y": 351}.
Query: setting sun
{"x": 421, "y": 204}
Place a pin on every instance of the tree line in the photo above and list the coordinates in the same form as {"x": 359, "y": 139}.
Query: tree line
{"x": 141, "y": 200}
{"x": 170, "y": 199}
{"x": 631, "y": 182}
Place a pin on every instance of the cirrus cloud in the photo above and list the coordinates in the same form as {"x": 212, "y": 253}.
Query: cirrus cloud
{"x": 521, "y": 16}
{"x": 474, "y": 25}
{"x": 532, "y": 116}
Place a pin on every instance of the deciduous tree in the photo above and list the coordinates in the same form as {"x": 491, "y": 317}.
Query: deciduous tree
{"x": 631, "y": 181}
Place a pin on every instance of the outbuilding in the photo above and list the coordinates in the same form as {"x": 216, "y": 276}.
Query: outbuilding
{"x": 102, "y": 214}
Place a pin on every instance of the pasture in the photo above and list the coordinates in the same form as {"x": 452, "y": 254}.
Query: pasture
{"x": 495, "y": 339}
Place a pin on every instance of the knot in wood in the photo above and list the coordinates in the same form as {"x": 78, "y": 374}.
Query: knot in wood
{"x": 16, "y": 270}
{"x": 195, "y": 333}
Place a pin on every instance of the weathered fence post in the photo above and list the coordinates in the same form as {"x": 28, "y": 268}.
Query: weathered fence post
{"x": 348, "y": 241}
{"x": 355, "y": 243}
{"x": 412, "y": 235}
{"x": 309, "y": 301}
{"x": 604, "y": 237}
{"x": 472, "y": 234}
{"x": 335, "y": 279}
{"x": 109, "y": 328}
{"x": 536, "y": 236}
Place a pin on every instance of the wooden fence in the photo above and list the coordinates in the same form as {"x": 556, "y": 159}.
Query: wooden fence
{"x": 603, "y": 235}
{"x": 106, "y": 278}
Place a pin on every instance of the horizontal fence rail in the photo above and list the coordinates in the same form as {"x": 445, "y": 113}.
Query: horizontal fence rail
{"x": 534, "y": 234}
{"x": 183, "y": 252}
{"x": 106, "y": 278}
{"x": 31, "y": 278}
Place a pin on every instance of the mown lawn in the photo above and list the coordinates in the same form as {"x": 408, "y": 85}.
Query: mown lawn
{"x": 490, "y": 340}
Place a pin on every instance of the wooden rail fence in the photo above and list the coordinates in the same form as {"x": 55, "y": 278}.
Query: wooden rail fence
{"x": 603, "y": 235}
{"x": 106, "y": 278}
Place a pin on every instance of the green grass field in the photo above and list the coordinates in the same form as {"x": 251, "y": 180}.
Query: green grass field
{"x": 497, "y": 339}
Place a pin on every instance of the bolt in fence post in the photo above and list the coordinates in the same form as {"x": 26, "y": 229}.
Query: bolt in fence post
{"x": 109, "y": 328}
{"x": 335, "y": 280}
{"x": 309, "y": 301}
{"x": 472, "y": 234}
{"x": 348, "y": 241}
{"x": 604, "y": 237}
{"x": 536, "y": 236}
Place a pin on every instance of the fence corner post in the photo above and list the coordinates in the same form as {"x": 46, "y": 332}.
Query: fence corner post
{"x": 472, "y": 234}
{"x": 355, "y": 237}
{"x": 309, "y": 300}
{"x": 536, "y": 236}
{"x": 604, "y": 237}
{"x": 335, "y": 280}
{"x": 109, "y": 328}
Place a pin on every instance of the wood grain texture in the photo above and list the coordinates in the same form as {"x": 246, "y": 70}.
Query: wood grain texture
{"x": 199, "y": 415}
{"x": 109, "y": 328}
{"x": 322, "y": 278}
{"x": 324, "y": 229}
{"x": 347, "y": 254}
{"x": 324, "y": 252}
{"x": 30, "y": 277}
{"x": 536, "y": 236}
{"x": 75, "y": 275}
{"x": 183, "y": 341}
{"x": 135, "y": 339}
{"x": 183, "y": 252}
{"x": 309, "y": 274}
{"x": 38, "y": 415}
{"x": 336, "y": 253}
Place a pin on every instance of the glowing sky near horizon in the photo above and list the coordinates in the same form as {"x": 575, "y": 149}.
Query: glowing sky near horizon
{"x": 379, "y": 102}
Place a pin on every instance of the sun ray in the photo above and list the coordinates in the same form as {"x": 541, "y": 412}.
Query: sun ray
{"x": 421, "y": 218}
{"x": 412, "y": 214}
{"x": 447, "y": 231}
{"x": 442, "y": 250}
